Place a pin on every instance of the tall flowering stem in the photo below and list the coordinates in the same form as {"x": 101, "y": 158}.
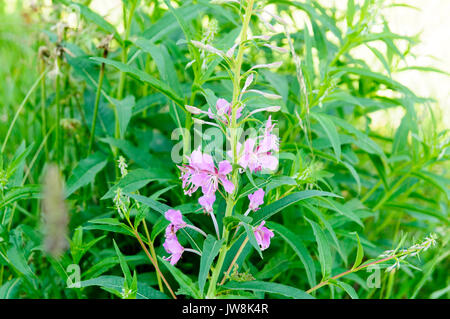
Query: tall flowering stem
{"x": 235, "y": 104}
{"x": 123, "y": 212}
{"x": 388, "y": 255}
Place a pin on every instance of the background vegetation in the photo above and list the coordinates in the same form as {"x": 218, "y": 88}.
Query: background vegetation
{"x": 394, "y": 181}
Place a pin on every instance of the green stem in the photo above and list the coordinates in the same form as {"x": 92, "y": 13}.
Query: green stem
{"x": 390, "y": 285}
{"x": 127, "y": 25}
{"x": 97, "y": 100}
{"x": 152, "y": 251}
{"x": 58, "y": 113}
{"x": 152, "y": 260}
{"x": 233, "y": 141}
{"x": 43, "y": 110}
{"x": 325, "y": 282}
{"x": 2, "y": 269}
{"x": 223, "y": 252}
{"x": 13, "y": 122}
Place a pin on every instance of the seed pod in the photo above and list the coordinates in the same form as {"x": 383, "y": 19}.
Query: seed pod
{"x": 55, "y": 218}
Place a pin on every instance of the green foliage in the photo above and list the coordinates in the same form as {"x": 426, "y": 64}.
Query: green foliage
{"x": 344, "y": 190}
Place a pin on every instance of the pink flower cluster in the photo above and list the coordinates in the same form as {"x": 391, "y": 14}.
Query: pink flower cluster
{"x": 258, "y": 152}
{"x": 201, "y": 172}
{"x": 171, "y": 244}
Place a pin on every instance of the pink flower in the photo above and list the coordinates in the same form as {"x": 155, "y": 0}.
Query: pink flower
{"x": 175, "y": 217}
{"x": 224, "y": 111}
{"x": 193, "y": 173}
{"x": 201, "y": 172}
{"x": 258, "y": 152}
{"x": 269, "y": 141}
{"x": 224, "y": 169}
{"x": 256, "y": 157}
{"x": 263, "y": 235}
{"x": 207, "y": 202}
{"x": 173, "y": 247}
{"x": 176, "y": 222}
{"x": 256, "y": 199}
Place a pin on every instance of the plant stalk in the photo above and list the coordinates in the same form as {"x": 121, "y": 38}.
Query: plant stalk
{"x": 325, "y": 282}
{"x": 58, "y": 112}
{"x": 97, "y": 102}
{"x": 233, "y": 142}
{"x": 234, "y": 261}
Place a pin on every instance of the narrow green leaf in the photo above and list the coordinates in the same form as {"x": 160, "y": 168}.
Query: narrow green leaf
{"x": 153, "y": 204}
{"x": 298, "y": 247}
{"x": 25, "y": 192}
{"x": 355, "y": 175}
{"x": 144, "y": 77}
{"x": 324, "y": 249}
{"x": 329, "y": 228}
{"x": 422, "y": 69}
{"x": 252, "y": 238}
{"x": 273, "y": 208}
{"x": 350, "y": 12}
{"x": 359, "y": 253}
{"x": 124, "y": 112}
{"x": 381, "y": 58}
{"x": 136, "y": 179}
{"x": 419, "y": 209}
{"x": 211, "y": 248}
{"x": 341, "y": 209}
{"x": 381, "y": 169}
{"x": 320, "y": 41}
{"x": 439, "y": 182}
{"x": 366, "y": 73}
{"x": 330, "y": 129}
{"x": 10, "y": 289}
{"x": 117, "y": 283}
{"x": 123, "y": 265}
{"x": 17, "y": 260}
{"x": 269, "y": 287}
{"x": 184, "y": 281}
{"x": 167, "y": 24}
{"x": 85, "y": 172}
{"x": 348, "y": 289}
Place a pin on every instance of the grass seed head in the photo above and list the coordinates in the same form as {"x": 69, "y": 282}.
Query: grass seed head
{"x": 55, "y": 218}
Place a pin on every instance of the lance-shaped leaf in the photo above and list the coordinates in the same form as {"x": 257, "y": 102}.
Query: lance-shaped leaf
{"x": 324, "y": 249}
{"x": 273, "y": 208}
{"x": 85, "y": 172}
{"x": 186, "y": 284}
{"x": 270, "y": 287}
{"x": 144, "y": 291}
{"x": 298, "y": 247}
{"x": 211, "y": 248}
{"x": 144, "y": 77}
